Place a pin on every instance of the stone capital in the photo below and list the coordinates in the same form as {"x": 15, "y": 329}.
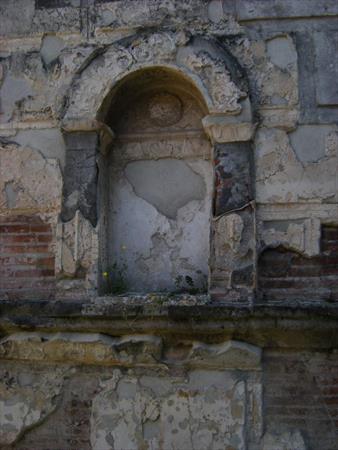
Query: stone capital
{"x": 221, "y": 129}
{"x": 105, "y": 133}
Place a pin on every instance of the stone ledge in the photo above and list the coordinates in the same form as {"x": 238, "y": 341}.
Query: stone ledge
{"x": 127, "y": 351}
{"x": 82, "y": 348}
{"x": 262, "y": 325}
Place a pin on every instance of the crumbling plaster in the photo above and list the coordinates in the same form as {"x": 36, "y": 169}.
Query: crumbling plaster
{"x": 261, "y": 79}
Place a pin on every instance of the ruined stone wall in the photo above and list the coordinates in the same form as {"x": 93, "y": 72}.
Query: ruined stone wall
{"x": 184, "y": 150}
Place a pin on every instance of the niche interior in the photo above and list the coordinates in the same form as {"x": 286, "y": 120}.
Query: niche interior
{"x": 156, "y": 186}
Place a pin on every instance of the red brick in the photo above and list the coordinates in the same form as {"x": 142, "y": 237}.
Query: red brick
{"x": 23, "y": 228}
{"x": 24, "y": 249}
{"x": 25, "y": 238}
{"x": 329, "y": 232}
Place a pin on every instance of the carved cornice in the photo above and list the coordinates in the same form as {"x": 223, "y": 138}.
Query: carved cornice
{"x": 221, "y": 130}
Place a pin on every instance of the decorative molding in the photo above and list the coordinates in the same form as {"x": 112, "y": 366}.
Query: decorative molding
{"x": 105, "y": 133}
{"x": 221, "y": 131}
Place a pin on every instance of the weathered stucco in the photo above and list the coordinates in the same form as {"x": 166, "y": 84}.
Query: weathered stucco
{"x": 168, "y": 224}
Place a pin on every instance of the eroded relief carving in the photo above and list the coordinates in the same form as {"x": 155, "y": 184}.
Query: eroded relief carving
{"x": 165, "y": 109}
{"x": 167, "y": 49}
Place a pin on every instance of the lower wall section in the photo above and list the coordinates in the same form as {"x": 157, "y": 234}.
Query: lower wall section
{"x": 90, "y": 391}
{"x": 301, "y": 392}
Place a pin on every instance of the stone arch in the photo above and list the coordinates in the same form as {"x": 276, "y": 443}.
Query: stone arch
{"x": 213, "y": 74}
{"x": 203, "y": 62}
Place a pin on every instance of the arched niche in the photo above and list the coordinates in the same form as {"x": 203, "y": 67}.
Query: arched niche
{"x": 157, "y": 185}
{"x": 105, "y": 127}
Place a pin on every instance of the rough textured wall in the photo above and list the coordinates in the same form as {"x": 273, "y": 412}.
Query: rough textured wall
{"x": 252, "y": 364}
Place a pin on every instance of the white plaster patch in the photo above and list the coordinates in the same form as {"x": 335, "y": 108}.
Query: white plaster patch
{"x": 207, "y": 411}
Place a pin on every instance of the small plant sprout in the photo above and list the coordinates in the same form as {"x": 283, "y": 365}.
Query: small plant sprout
{"x": 115, "y": 279}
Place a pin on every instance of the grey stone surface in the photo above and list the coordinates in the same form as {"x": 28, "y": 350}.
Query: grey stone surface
{"x": 16, "y": 16}
{"x": 310, "y": 111}
{"x": 310, "y": 142}
{"x": 326, "y": 50}
{"x": 13, "y": 90}
{"x": 51, "y": 48}
{"x": 281, "y": 51}
{"x": 167, "y": 184}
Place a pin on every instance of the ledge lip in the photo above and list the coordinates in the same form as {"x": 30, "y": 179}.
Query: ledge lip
{"x": 177, "y": 307}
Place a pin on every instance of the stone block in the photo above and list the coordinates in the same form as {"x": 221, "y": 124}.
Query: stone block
{"x": 303, "y": 237}
{"x": 283, "y": 119}
{"x": 274, "y": 9}
{"x": 281, "y": 52}
{"x": 311, "y": 142}
{"x": 233, "y": 251}
{"x": 326, "y": 75}
{"x": 77, "y": 250}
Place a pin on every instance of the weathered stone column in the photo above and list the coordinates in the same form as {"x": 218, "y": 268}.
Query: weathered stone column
{"x": 233, "y": 231}
{"x": 77, "y": 236}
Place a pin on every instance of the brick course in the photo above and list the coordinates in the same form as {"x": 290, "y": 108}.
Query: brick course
{"x": 301, "y": 392}
{"x": 27, "y": 263}
{"x": 284, "y": 274}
